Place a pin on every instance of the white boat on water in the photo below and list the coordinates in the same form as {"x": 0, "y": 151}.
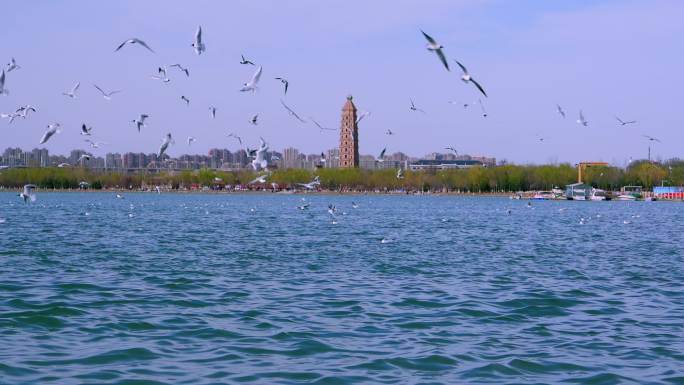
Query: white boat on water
{"x": 626, "y": 197}
{"x": 597, "y": 194}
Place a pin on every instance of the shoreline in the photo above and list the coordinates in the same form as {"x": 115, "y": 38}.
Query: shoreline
{"x": 255, "y": 192}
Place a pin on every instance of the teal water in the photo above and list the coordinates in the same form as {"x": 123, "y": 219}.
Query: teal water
{"x": 214, "y": 289}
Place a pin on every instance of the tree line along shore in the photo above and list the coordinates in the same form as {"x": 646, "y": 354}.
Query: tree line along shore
{"x": 503, "y": 178}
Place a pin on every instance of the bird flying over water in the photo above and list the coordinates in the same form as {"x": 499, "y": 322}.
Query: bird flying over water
{"x": 140, "y": 122}
{"x": 3, "y": 90}
{"x": 190, "y": 140}
{"x": 624, "y": 123}
{"x": 414, "y": 108}
{"x": 24, "y": 110}
{"x": 560, "y": 110}
{"x": 10, "y": 116}
{"x": 260, "y": 158}
{"x": 433, "y": 46}
{"x": 285, "y": 83}
{"x": 311, "y": 185}
{"x": 94, "y": 144}
{"x": 181, "y": 68}
{"x": 134, "y": 40}
{"x": 466, "y": 78}
{"x": 294, "y": 114}
{"x": 198, "y": 45}
{"x": 482, "y": 108}
{"x": 165, "y": 144}
{"x": 212, "y": 110}
{"x": 362, "y": 115}
{"x": 321, "y": 127}
{"x": 400, "y": 173}
{"x": 389, "y": 132}
{"x": 252, "y": 84}
{"x": 12, "y": 65}
{"x": 161, "y": 75}
{"x": 651, "y": 139}
{"x": 28, "y": 195}
{"x": 106, "y": 95}
{"x": 245, "y": 61}
{"x": 186, "y": 100}
{"x": 582, "y": 120}
{"x": 85, "y": 130}
{"x": 83, "y": 158}
{"x": 72, "y": 93}
{"x": 452, "y": 149}
{"x": 381, "y": 157}
{"x": 254, "y": 119}
{"x": 52, "y": 130}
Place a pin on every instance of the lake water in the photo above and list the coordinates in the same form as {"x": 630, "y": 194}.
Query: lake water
{"x": 212, "y": 289}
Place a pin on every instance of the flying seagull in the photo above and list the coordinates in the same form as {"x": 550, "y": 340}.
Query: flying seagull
{"x": 311, "y": 185}
{"x": 212, "y": 110}
{"x": 239, "y": 139}
{"x": 465, "y": 105}
{"x": 106, "y": 95}
{"x": 28, "y": 195}
{"x": 560, "y": 110}
{"x": 484, "y": 112}
{"x": 85, "y": 130}
{"x": 180, "y": 68}
{"x": 291, "y": 112}
{"x": 363, "y": 115}
{"x": 260, "y": 158}
{"x": 389, "y": 132}
{"x": 321, "y": 127}
{"x": 245, "y": 61}
{"x": 24, "y": 110}
{"x": 652, "y": 139}
{"x": 624, "y": 123}
{"x": 72, "y": 93}
{"x": 414, "y": 108}
{"x": 252, "y": 84}
{"x": 165, "y": 144}
{"x": 400, "y": 174}
{"x": 198, "y": 45}
{"x": 11, "y": 116}
{"x": 254, "y": 119}
{"x": 452, "y": 149}
{"x": 582, "y": 120}
{"x": 52, "y": 129}
{"x": 3, "y": 90}
{"x": 140, "y": 122}
{"x": 469, "y": 79}
{"x": 186, "y": 100}
{"x": 161, "y": 75}
{"x": 134, "y": 40}
{"x": 261, "y": 179}
{"x": 433, "y": 46}
{"x": 285, "y": 83}
{"x": 190, "y": 140}
{"x": 83, "y": 158}
{"x": 94, "y": 144}
{"x": 381, "y": 157}
{"x": 12, "y": 65}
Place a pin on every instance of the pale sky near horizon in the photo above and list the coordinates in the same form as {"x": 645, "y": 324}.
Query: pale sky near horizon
{"x": 606, "y": 57}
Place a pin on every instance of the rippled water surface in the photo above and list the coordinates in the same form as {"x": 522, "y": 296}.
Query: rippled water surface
{"x": 212, "y": 289}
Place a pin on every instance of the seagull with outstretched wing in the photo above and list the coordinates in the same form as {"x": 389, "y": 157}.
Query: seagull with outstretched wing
{"x": 433, "y": 46}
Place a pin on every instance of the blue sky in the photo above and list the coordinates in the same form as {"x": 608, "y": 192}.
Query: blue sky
{"x": 605, "y": 57}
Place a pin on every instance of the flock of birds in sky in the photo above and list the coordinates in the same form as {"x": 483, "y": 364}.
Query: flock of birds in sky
{"x": 257, "y": 155}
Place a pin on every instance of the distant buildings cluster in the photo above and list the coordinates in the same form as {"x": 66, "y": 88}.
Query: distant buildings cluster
{"x": 224, "y": 159}
{"x": 345, "y": 156}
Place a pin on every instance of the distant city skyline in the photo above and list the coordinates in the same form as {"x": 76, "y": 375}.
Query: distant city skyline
{"x": 609, "y": 58}
{"x": 216, "y": 158}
